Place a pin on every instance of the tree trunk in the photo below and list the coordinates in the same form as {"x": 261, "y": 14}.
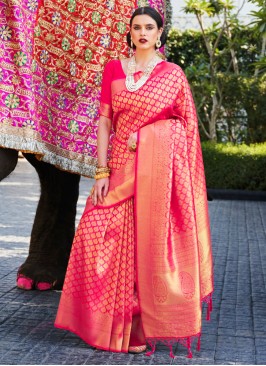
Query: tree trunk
{"x": 262, "y": 54}
{"x": 213, "y": 119}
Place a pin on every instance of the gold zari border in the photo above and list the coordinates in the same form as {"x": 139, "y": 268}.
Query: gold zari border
{"x": 30, "y": 141}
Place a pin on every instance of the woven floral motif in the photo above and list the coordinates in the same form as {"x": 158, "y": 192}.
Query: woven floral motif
{"x": 77, "y": 39}
{"x": 52, "y": 54}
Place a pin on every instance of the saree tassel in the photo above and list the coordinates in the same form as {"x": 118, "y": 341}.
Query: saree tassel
{"x": 211, "y": 304}
{"x": 153, "y": 345}
{"x": 171, "y": 354}
{"x": 208, "y": 316}
{"x": 198, "y": 344}
{"x": 189, "y": 353}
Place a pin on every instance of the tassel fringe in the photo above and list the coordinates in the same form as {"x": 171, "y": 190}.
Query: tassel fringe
{"x": 198, "y": 344}
{"x": 153, "y": 346}
{"x": 171, "y": 354}
{"x": 189, "y": 353}
{"x": 186, "y": 341}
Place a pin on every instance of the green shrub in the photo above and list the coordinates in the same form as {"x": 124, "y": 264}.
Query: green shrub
{"x": 241, "y": 116}
{"x": 230, "y": 166}
{"x": 186, "y": 48}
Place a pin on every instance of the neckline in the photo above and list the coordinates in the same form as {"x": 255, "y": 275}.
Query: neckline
{"x": 120, "y": 62}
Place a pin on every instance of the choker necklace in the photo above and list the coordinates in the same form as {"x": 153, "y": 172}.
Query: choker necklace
{"x": 131, "y": 85}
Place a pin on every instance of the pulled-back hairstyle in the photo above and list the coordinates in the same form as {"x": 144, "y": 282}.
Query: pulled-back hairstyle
{"x": 151, "y": 12}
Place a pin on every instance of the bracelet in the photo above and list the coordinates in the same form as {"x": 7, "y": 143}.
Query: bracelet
{"x": 105, "y": 169}
{"x": 101, "y": 175}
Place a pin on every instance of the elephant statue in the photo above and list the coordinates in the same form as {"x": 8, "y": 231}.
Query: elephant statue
{"x": 52, "y": 54}
{"x": 54, "y": 225}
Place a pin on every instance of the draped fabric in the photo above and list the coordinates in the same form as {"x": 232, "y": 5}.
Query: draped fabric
{"x": 97, "y": 300}
{"x": 141, "y": 262}
{"x": 173, "y": 232}
{"x": 52, "y": 54}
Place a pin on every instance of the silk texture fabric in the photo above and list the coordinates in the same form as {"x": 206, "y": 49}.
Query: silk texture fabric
{"x": 141, "y": 262}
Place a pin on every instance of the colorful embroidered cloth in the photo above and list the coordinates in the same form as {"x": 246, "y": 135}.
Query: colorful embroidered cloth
{"x": 163, "y": 235}
{"x": 52, "y": 54}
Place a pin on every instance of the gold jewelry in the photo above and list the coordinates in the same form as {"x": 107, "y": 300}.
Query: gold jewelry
{"x": 158, "y": 43}
{"x": 101, "y": 166}
{"x": 131, "y": 85}
{"x": 104, "y": 169}
{"x": 101, "y": 175}
{"x": 131, "y": 49}
{"x": 133, "y": 146}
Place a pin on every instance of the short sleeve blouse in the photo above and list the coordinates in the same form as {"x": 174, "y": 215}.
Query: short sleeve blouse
{"x": 112, "y": 71}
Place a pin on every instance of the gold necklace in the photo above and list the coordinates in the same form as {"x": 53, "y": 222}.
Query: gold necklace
{"x": 131, "y": 85}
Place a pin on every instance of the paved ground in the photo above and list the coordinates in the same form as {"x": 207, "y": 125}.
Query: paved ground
{"x": 236, "y": 334}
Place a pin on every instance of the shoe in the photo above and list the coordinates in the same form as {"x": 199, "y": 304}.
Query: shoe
{"x": 137, "y": 349}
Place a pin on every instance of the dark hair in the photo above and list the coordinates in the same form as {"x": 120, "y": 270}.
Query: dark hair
{"x": 147, "y": 10}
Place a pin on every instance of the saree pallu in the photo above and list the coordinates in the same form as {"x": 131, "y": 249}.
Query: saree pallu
{"x": 152, "y": 230}
{"x": 172, "y": 231}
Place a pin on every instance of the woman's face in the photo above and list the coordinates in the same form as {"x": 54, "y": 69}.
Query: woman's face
{"x": 144, "y": 32}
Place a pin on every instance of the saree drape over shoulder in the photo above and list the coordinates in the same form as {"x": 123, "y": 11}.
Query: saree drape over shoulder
{"x": 141, "y": 262}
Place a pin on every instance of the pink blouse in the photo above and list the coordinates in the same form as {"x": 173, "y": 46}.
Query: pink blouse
{"x": 113, "y": 84}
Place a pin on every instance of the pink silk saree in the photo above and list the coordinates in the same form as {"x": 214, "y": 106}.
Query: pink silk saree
{"x": 141, "y": 262}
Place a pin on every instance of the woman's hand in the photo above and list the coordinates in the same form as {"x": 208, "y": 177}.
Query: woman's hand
{"x": 132, "y": 141}
{"x": 99, "y": 190}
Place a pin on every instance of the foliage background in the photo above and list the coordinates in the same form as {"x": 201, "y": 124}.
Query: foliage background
{"x": 226, "y": 67}
{"x": 229, "y": 166}
{"x": 242, "y": 117}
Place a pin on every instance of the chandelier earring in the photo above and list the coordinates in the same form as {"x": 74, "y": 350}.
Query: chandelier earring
{"x": 131, "y": 50}
{"x": 158, "y": 43}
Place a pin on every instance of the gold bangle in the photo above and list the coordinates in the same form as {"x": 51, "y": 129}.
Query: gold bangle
{"x": 101, "y": 175}
{"x": 103, "y": 170}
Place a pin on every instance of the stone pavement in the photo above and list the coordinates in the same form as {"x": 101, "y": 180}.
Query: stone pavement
{"x": 235, "y": 335}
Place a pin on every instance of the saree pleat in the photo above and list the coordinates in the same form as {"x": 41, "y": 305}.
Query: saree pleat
{"x": 97, "y": 299}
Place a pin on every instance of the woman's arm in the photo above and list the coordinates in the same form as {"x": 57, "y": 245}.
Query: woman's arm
{"x": 103, "y": 137}
{"x": 101, "y": 185}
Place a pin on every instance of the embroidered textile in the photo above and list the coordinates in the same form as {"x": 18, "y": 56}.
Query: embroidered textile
{"x": 52, "y": 54}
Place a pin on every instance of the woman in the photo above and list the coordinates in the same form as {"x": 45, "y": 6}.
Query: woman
{"x": 141, "y": 262}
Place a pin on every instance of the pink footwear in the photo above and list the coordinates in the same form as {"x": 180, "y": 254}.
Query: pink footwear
{"x": 43, "y": 286}
{"x": 24, "y": 283}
